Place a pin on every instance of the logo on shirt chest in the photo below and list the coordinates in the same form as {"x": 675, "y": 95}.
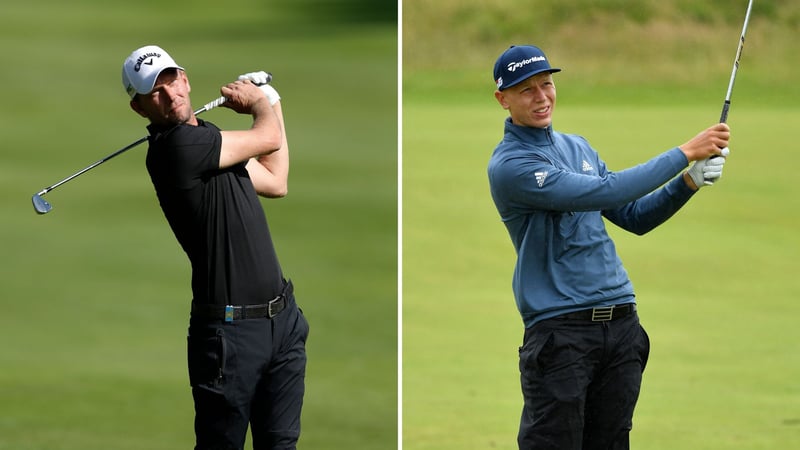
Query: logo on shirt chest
{"x": 586, "y": 167}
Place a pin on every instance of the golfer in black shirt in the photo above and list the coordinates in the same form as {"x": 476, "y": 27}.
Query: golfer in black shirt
{"x": 246, "y": 344}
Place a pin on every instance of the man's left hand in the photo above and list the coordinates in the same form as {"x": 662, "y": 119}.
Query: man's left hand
{"x": 708, "y": 171}
{"x": 257, "y": 78}
{"x": 261, "y": 79}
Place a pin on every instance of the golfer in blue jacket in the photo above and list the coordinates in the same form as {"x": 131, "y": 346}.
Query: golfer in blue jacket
{"x": 584, "y": 350}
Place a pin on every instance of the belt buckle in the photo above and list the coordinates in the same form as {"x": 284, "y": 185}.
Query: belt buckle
{"x": 602, "y": 314}
{"x": 273, "y": 307}
{"x": 228, "y": 313}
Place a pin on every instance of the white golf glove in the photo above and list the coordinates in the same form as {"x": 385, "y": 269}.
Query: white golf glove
{"x": 258, "y": 78}
{"x": 261, "y": 79}
{"x": 708, "y": 171}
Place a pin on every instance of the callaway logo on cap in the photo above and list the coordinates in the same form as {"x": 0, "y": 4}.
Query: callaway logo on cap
{"x": 142, "y": 68}
{"x": 518, "y": 63}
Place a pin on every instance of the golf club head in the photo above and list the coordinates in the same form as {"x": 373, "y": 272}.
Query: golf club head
{"x": 40, "y": 204}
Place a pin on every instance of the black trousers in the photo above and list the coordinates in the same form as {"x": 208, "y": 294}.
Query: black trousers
{"x": 249, "y": 371}
{"x": 580, "y": 381}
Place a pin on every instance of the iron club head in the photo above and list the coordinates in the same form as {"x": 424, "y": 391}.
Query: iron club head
{"x": 40, "y": 204}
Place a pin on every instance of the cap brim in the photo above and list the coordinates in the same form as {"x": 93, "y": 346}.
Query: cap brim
{"x": 526, "y": 76}
{"x": 152, "y": 78}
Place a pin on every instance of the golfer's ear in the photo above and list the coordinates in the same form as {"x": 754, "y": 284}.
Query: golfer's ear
{"x": 186, "y": 80}
{"x": 135, "y": 106}
{"x": 501, "y": 98}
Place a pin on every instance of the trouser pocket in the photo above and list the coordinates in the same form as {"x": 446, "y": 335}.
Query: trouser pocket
{"x": 207, "y": 355}
{"x": 644, "y": 347}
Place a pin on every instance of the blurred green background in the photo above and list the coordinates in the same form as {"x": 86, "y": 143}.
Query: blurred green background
{"x": 716, "y": 285}
{"x": 95, "y": 295}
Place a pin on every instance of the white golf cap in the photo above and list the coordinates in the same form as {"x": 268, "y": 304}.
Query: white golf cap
{"x": 142, "y": 68}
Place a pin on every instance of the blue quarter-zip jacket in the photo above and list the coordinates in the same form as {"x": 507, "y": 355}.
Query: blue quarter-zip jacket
{"x": 552, "y": 191}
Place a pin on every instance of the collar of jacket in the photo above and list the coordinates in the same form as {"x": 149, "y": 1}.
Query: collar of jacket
{"x": 536, "y": 136}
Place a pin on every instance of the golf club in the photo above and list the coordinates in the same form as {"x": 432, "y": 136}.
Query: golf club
{"x": 726, "y": 106}
{"x": 42, "y": 206}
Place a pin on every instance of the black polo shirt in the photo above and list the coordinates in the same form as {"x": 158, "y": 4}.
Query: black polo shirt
{"x": 216, "y": 216}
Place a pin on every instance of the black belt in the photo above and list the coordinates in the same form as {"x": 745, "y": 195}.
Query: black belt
{"x": 602, "y": 314}
{"x": 229, "y": 313}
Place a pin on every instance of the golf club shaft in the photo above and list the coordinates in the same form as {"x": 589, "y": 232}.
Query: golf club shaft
{"x": 206, "y": 107}
{"x": 91, "y": 166}
{"x": 727, "y": 104}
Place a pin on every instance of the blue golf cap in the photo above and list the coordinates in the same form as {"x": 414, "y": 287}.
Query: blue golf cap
{"x": 518, "y": 63}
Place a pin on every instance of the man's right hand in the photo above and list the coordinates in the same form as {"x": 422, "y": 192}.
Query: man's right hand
{"x": 709, "y": 142}
{"x": 244, "y": 97}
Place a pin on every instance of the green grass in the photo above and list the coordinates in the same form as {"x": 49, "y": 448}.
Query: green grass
{"x": 715, "y": 285}
{"x": 450, "y": 46}
{"x": 95, "y": 294}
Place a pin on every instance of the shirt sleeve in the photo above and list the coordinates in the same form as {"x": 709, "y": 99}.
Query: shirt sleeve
{"x": 534, "y": 182}
{"x": 650, "y": 211}
{"x": 191, "y": 153}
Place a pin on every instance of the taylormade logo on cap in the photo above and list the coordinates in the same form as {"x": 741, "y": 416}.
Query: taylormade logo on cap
{"x": 518, "y": 63}
{"x": 512, "y": 66}
{"x": 142, "y": 68}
